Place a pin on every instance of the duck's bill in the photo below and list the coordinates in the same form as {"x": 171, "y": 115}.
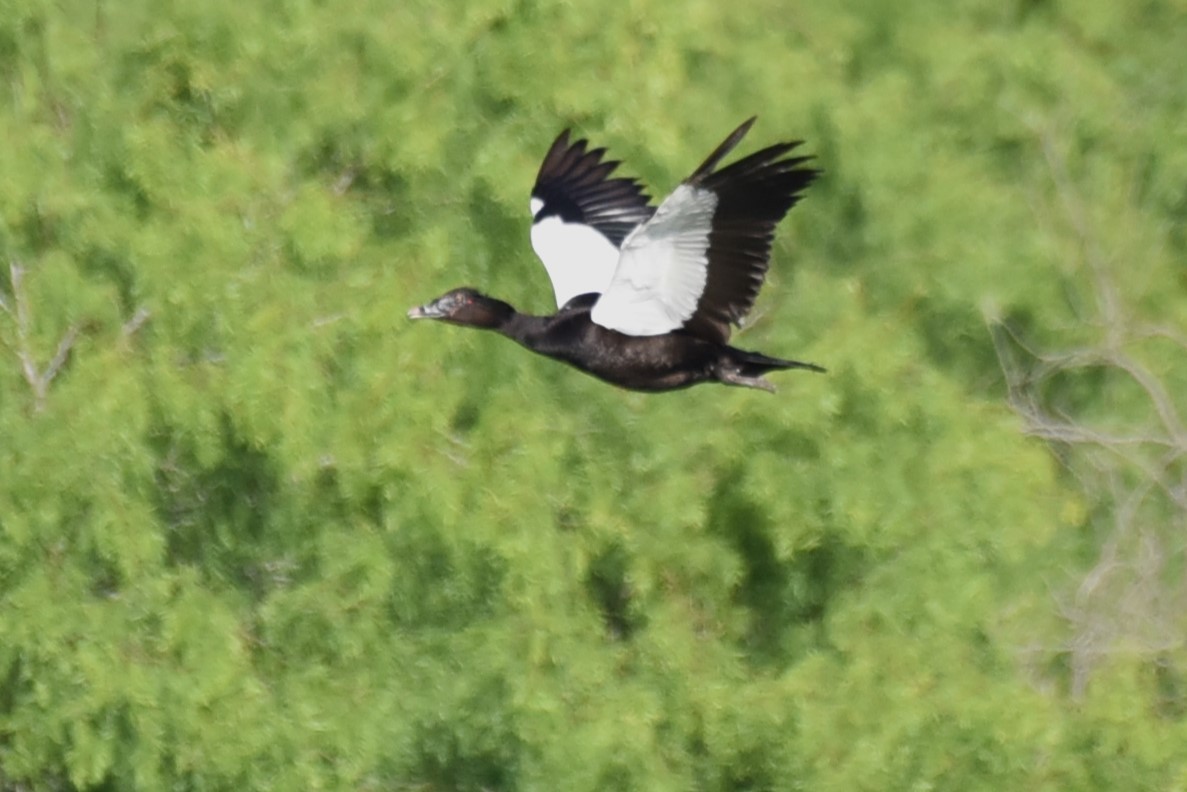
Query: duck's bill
{"x": 429, "y": 311}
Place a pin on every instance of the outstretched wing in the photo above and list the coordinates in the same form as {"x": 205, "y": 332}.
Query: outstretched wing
{"x": 580, "y": 217}
{"x": 699, "y": 262}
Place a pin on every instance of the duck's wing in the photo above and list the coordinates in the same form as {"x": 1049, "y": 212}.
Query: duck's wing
{"x": 699, "y": 262}
{"x": 580, "y": 217}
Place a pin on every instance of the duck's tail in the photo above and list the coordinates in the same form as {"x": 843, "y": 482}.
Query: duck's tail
{"x": 746, "y": 368}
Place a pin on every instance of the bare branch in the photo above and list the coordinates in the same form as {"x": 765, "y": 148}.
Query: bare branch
{"x": 60, "y": 356}
{"x": 16, "y": 278}
{"x": 38, "y": 380}
{"x": 1160, "y": 331}
{"x": 1161, "y": 400}
{"x": 137, "y": 321}
{"x": 323, "y": 321}
{"x": 1132, "y": 472}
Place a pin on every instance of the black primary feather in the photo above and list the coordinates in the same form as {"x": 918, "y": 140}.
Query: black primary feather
{"x": 575, "y": 185}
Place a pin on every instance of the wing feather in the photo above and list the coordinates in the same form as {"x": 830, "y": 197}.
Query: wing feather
{"x": 580, "y": 216}
{"x": 662, "y": 268}
{"x": 699, "y": 262}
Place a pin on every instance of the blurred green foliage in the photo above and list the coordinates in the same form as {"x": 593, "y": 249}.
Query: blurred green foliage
{"x": 258, "y": 532}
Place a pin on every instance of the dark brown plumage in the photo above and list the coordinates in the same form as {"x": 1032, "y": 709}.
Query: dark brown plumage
{"x": 713, "y": 235}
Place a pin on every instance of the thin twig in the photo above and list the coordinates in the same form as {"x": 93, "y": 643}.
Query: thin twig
{"x": 60, "y": 355}
{"x": 137, "y": 321}
{"x": 37, "y": 380}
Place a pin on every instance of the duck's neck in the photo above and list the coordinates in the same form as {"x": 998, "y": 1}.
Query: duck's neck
{"x": 546, "y": 335}
{"x": 494, "y": 314}
{"x": 524, "y": 329}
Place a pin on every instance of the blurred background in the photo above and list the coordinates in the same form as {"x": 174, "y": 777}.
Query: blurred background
{"x": 258, "y": 531}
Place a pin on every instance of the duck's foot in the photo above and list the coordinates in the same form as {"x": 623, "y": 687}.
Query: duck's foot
{"x": 731, "y": 376}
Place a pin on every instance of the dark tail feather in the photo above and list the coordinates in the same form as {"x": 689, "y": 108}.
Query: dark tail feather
{"x": 745, "y": 369}
{"x": 753, "y": 364}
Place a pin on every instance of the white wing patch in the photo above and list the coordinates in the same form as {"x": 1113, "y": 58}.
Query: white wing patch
{"x": 662, "y": 268}
{"x": 577, "y": 257}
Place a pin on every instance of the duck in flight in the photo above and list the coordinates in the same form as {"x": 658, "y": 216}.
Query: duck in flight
{"x": 646, "y": 295}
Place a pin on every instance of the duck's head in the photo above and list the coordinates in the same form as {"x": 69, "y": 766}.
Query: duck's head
{"x": 465, "y": 306}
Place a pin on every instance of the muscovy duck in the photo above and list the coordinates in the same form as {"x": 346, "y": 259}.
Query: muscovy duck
{"x": 646, "y": 295}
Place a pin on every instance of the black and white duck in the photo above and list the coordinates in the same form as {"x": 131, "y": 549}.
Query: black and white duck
{"x": 647, "y": 295}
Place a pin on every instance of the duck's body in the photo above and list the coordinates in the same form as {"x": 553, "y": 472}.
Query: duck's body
{"x": 644, "y": 363}
{"x": 668, "y": 282}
